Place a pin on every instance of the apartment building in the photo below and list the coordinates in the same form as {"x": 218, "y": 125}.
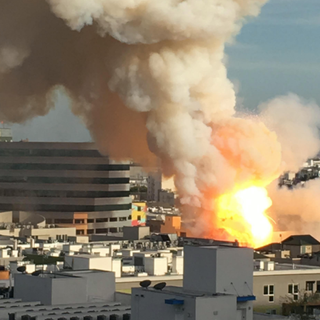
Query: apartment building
{"x": 70, "y": 184}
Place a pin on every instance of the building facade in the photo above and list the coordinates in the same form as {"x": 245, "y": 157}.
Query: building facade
{"x": 70, "y": 184}
{"x": 273, "y": 288}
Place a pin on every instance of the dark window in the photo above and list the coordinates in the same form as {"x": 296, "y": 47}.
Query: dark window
{"x": 90, "y": 220}
{"x": 122, "y": 219}
{"x": 296, "y": 288}
{"x": 139, "y": 209}
{"x": 90, "y": 231}
{"x": 265, "y": 290}
{"x": 271, "y": 288}
{"x": 62, "y": 193}
{"x": 309, "y": 285}
{"x": 139, "y": 218}
{"x": 129, "y": 218}
{"x": 318, "y": 286}
{"x": 80, "y": 232}
{"x": 63, "y": 166}
{"x": 63, "y": 221}
{"x": 113, "y": 219}
{"x": 290, "y": 288}
{"x": 271, "y": 298}
{"x": 113, "y": 230}
{"x": 103, "y": 230}
{"x": 79, "y": 221}
{"x": 102, "y": 220}
{"x": 63, "y": 208}
{"x": 295, "y": 297}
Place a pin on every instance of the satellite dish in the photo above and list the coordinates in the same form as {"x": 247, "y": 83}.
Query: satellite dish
{"x": 145, "y": 284}
{"x": 160, "y": 286}
{"x": 36, "y": 273}
{"x": 21, "y": 269}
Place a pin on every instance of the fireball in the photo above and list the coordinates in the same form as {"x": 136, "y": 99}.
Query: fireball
{"x": 243, "y": 216}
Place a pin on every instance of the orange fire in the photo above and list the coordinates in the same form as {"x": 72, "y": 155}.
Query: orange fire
{"x": 242, "y": 215}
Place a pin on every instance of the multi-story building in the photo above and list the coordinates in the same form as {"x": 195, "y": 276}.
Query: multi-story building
{"x": 5, "y": 135}
{"x": 70, "y": 184}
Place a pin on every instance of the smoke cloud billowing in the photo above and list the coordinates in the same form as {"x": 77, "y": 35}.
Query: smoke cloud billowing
{"x": 150, "y": 75}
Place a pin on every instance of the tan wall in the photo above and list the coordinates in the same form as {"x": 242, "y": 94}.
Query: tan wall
{"x": 280, "y": 282}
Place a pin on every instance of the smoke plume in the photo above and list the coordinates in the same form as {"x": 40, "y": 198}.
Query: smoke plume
{"x": 150, "y": 75}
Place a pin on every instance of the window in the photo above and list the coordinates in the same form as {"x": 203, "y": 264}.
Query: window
{"x": 120, "y": 229}
{"x": 139, "y": 218}
{"x": 113, "y": 219}
{"x": 318, "y": 286}
{"x": 129, "y": 218}
{"x": 62, "y": 221}
{"x": 294, "y": 290}
{"x": 113, "y": 230}
{"x": 90, "y": 220}
{"x": 102, "y": 220}
{"x": 268, "y": 290}
{"x": 104, "y": 230}
{"x": 79, "y": 221}
{"x": 122, "y": 219}
{"x": 90, "y": 231}
{"x": 309, "y": 285}
{"x": 80, "y": 232}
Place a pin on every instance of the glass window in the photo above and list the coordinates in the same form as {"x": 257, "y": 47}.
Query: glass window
{"x": 265, "y": 290}
{"x": 122, "y": 219}
{"x": 309, "y": 285}
{"x": 102, "y": 220}
{"x": 113, "y": 219}
{"x": 290, "y": 288}
{"x": 271, "y": 298}
{"x": 271, "y": 289}
{"x": 295, "y": 297}
{"x": 296, "y": 288}
{"x": 79, "y": 221}
{"x": 90, "y": 220}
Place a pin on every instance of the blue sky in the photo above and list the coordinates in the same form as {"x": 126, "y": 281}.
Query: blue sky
{"x": 276, "y": 53}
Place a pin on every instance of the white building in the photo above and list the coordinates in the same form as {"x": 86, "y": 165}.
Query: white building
{"x": 214, "y": 287}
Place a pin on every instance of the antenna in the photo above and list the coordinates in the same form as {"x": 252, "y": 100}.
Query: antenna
{"x": 145, "y": 284}
{"x": 160, "y": 286}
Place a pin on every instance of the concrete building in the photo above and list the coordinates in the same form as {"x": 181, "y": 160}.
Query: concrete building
{"x": 135, "y": 233}
{"x": 69, "y": 184}
{"x": 5, "y": 135}
{"x": 272, "y": 288}
{"x": 166, "y": 197}
{"x": 139, "y": 213}
{"x": 213, "y": 288}
{"x": 154, "y": 185}
{"x": 301, "y": 244}
{"x": 65, "y": 287}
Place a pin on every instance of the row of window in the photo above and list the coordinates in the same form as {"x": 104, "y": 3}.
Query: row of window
{"x": 62, "y": 193}
{"x": 82, "y": 221}
{"x": 49, "y": 153}
{"x": 63, "y": 208}
{"x": 10, "y": 179}
{"x": 64, "y": 166}
{"x": 100, "y": 231}
{"x": 293, "y": 289}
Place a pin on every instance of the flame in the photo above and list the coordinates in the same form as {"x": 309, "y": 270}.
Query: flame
{"x": 242, "y": 215}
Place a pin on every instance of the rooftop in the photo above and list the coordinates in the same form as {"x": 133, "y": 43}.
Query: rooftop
{"x": 299, "y": 240}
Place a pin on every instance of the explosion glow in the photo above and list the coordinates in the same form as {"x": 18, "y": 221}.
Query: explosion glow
{"x": 242, "y": 215}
